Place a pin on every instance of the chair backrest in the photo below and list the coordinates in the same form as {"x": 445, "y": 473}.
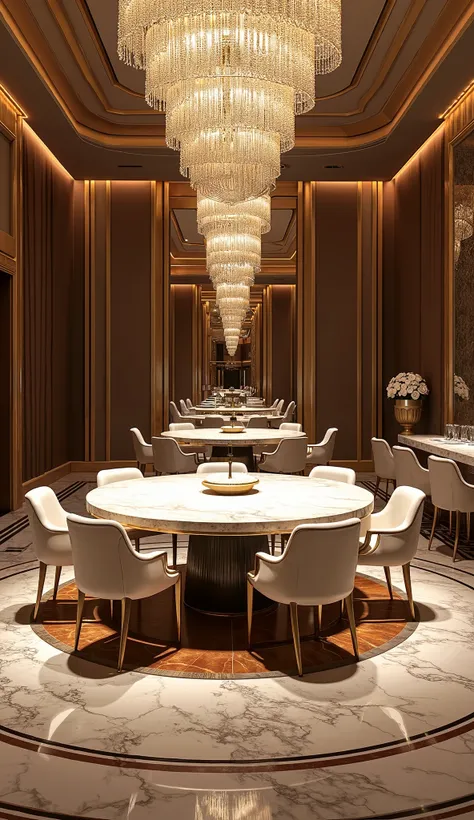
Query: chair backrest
{"x": 275, "y": 403}
{"x": 342, "y": 474}
{"x": 384, "y": 463}
{"x": 449, "y": 490}
{"x": 46, "y": 516}
{"x": 174, "y": 412}
{"x": 182, "y": 425}
{"x": 189, "y": 404}
{"x": 279, "y": 406}
{"x": 105, "y": 477}
{"x": 184, "y": 407}
{"x": 323, "y": 451}
{"x": 288, "y": 415}
{"x": 221, "y": 467}
{"x": 289, "y": 456}
{"x": 408, "y": 470}
{"x": 319, "y": 562}
{"x": 169, "y": 458}
{"x": 291, "y": 425}
{"x": 402, "y": 514}
{"x": 213, "y": 421}
{"x": 105, "y": 563}
{"x": 140, "y": 446}
{"x": 257, "y": 421}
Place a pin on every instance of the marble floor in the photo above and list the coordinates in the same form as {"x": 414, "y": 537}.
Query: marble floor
{"x": 390, "y": 737}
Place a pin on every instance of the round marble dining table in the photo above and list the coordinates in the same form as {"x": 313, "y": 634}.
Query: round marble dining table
{"x": 230, "y": 445}
{"x": 226, "y": 531}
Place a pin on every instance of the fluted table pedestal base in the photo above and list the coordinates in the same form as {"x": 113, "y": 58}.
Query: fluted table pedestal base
{"x": 216, "y": 573}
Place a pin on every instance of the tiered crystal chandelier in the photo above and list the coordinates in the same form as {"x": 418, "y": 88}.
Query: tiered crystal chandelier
{"x": 231, "y": 77}
{"x": 233, "y": 244}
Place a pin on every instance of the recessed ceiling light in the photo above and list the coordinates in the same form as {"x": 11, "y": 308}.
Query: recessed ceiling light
{"x": 334, "y": 166}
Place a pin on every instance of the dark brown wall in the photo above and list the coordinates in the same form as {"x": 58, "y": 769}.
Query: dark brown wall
{"x": 6, "y": 286}
{"x": 413, "y": 280}
{"x": 53, "y": 316}
{"x": 283, "y": 343}
{"x": 183, "y": 338}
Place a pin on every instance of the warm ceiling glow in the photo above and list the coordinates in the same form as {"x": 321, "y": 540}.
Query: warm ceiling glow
{"x": 456, "y": 102}
{"x": 19, "y": 110}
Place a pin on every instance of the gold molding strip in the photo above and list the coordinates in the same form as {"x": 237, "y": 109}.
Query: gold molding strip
{"x": 108, "y": 285}
{"x": 93, "y": 318}
{"x": 378, "y": 376}
{"x": 457, "y": 101}
{"x": 359, "y": 350}
{"x": 87, "y": 320}
{"x": 19, "y": 111}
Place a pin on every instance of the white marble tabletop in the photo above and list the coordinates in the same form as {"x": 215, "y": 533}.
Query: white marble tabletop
{"x": 224, "y": 410}
{"x": 248, "y": 438}
{"x": 181, "y": 504}
{"x": 438, "y": 446}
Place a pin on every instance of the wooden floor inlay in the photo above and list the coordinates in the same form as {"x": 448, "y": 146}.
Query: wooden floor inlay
{"x": 217, "y": 647}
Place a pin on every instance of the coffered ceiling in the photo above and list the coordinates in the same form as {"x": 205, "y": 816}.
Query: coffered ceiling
{"x": 403, "y": 63}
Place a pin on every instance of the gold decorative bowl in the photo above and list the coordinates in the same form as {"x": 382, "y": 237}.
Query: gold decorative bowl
{"x": 223, "y": 485}
{"x": 229, "y": 429}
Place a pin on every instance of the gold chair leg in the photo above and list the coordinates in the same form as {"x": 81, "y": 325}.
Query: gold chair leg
{"x": 126, "y": 609}
{"x": 39, "y": 594}
{"x": 137, "y": 544}
{"x": 249, "y": 609}
{"x": 272, "y": 544}
{"x": 318, "y": 617}
{"x": 57, "y": 576}
{"x": 177, "y": 603}
{"x": 468, "y": 526}
{"x": 388, "y": 579}
{"x": 377, "y": 485}
{"x": 407, "y": 579}
{"x": 456, "y": 537}
{"x": 296, "y": 636}
{"x": 433, "y": 528}
{"x": 450, "y": 521}
{"x": 80, "y": 609}
{"x": 352, "y": 624}
{"x": 175, "y": 549}
{"x": 341, "y": 607}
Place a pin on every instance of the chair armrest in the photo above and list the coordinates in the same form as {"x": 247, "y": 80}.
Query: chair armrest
{"x": 153, "y": 557}
{"x": 369, "y": 543}
{"x": 58, "y": 531}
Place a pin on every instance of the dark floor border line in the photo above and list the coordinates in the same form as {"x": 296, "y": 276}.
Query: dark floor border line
{"x": 445, "y": 566}
{"x": 401, "y": 746}
{"x": 437, "y": 810}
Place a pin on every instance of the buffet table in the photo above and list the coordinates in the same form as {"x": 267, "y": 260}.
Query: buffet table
{"x": 438, "y": 446}
{"x": 226, "y": 531}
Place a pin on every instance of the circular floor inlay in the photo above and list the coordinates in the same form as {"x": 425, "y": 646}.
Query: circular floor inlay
{"x": 215, "y": 647}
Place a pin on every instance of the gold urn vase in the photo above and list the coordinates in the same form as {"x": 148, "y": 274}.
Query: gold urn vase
{"x": 408, "y": 413}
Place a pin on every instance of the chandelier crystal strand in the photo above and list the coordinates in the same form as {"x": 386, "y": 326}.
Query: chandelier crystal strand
{"x": 231, "y": 78}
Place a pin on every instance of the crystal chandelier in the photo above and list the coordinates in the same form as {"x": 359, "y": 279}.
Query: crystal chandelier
{"x": 231, "y": 77}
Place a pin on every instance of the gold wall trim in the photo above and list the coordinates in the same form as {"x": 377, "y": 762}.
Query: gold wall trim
{"x": 306, "y": 308}
{"x": 7, "y": 264}
{"x": 360, "y": 228}
{"x": 47, "y": 478}
{"x": 377, "y": 307}
{"x": 87, "y": 319}
{"x": 108, "y": 287}
{"x": 93, "y": 319}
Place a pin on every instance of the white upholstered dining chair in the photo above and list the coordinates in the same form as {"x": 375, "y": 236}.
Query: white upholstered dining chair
{"x": 213, "y": 421}
{"x": 183, "y": 408}
{"x": 384, "y": 463}
{"x": 291, "y": 425}
{"x": 450, "y": 491}
{"x": 286, "y": 417}
{"x": 197, "y": 449}
{"x": 289, "y": 457}
{"x": 343, "y": 474}
{"x": 189, "y": 404}
{"x": 222, "y": 467}
{"x": 106, "y": 566}
{"x": 322, "y": 452}
{"x": 408, "y": 470}
{"x": 105, "y": 477}
{"x": 257, "y": 422}
{"x": 393, "y": 535}
{"x": 51, "y": 543}
{"x": 143, "y": 451}
{"x": 317, "y": 567}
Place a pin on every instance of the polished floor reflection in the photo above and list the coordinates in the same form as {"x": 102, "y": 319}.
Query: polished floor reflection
{"x": 392, "y": 736}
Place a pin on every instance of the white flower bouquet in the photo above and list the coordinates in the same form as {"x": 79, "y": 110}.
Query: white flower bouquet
{"x": 407, "y": 386}
{"x": 461, "y": 390}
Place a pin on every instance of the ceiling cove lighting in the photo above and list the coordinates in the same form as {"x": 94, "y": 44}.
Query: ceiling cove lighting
{"x": 231, "y": 76}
